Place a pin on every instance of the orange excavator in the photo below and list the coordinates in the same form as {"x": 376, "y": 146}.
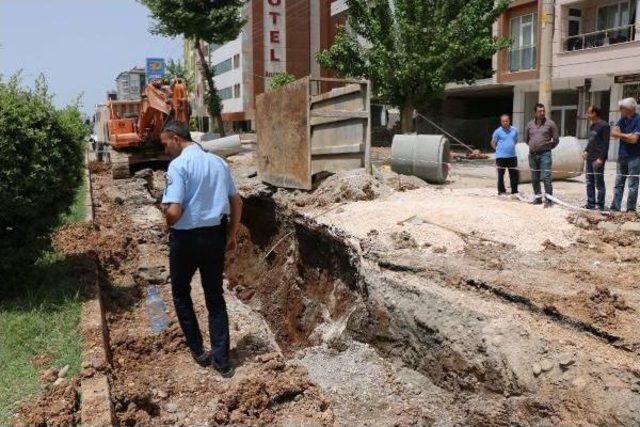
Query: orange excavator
{"x": 132, "y": 128}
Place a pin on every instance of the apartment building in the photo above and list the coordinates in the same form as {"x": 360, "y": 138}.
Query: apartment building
{"x": 226, "y": 64}
{"x": 129, "y": 84}
{"x": 279, "y": 36}
{"x": 596, "y": 60}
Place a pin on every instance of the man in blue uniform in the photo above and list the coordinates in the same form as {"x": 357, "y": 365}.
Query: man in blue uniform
{"x": 199, "y": 202}
{"x": 628, "y": 131}
{"x": 504, "y": 142}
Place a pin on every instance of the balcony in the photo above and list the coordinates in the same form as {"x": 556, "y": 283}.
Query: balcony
{"x": 596, "y": 38}
{"x": 601, "y": 38}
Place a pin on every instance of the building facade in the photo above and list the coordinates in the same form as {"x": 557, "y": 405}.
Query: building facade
{"x": 596, "y": 60}
{"x": 129, "y": 84}
{"x": 279, "y": 36}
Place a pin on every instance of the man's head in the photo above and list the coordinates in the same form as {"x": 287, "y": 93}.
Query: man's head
{"x": 175, "y": 137}
{"x": 594, "y": 113}
{"x": 628, "y": 107}
{"x": 505, "y": 121}
{"x": 539, "y": 112}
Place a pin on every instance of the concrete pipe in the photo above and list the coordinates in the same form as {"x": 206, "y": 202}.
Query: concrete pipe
{"x": 224, "y": 147}
{"x": 567, "y": 160}
{"x": 424, "y": 156}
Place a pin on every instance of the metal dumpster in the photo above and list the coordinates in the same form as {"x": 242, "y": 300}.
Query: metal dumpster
{"x": 312, "y": 125}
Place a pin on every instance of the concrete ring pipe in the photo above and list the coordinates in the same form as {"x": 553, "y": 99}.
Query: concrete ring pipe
{"x": 567, "y": 160}
{"x": 424, "y": 156}
{"x": 227, "y": 146}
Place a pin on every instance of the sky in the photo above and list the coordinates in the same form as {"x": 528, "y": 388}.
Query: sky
{"x": 79, "y": 45}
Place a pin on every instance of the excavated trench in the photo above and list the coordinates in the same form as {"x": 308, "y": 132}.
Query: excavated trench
{"x": 303, "y": 279}
{"x": 309, "y": 283}
{"x": 312, "y": 285}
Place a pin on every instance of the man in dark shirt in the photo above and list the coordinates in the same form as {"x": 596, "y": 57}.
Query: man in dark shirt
{"x": 541, "y": 135}
{"x": 596, "y": 156}
{"x": 628, "y": 131}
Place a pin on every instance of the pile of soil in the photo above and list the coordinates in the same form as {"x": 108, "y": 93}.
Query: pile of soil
{"x": 57, "y": 406}
{"x": 109, "y": 246}
{"x": 602, "y": 305}
{"x": 352, "y": 185}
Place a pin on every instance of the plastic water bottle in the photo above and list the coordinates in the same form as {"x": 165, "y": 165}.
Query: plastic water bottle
{"x": 156, "y": 310}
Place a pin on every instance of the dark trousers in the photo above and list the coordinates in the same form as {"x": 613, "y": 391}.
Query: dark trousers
{"x": 540, "y": 164}
{"x": 202, "y": 249}
{"x": 510, "y": 163}
{"x": 595, "y": 185}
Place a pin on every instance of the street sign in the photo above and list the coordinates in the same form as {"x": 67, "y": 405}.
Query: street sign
{"x": 155, "y": 68}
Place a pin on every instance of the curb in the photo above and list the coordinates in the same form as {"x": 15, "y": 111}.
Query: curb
{"x": 96, "y": 408}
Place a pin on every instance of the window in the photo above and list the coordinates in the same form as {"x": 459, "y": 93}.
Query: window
{"x": 617, "y": 17}
{"x": 614, "y": 16}
{"x": 564, "y": 111}
{"x": 631, "y": 90}
{"x": 236, "y": 90}
{"x": 522, "y": 54}
{"x": 226, "y": 93}
{"x": 574, "y": 41}
{"x": 222, "y": 67}
{"x": 566, "y": 117}
{"x": 236, "y": 61}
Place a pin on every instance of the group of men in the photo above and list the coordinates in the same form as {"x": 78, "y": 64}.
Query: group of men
{"x": 542, "y": 136}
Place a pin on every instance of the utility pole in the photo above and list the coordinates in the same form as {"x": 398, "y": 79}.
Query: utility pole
{"x": 546, "y": 53}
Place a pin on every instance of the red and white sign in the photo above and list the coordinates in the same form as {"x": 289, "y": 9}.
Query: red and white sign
{"x": 275, "y": 40}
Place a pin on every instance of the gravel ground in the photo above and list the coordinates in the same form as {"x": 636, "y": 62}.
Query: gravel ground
{"x": 439, "y": 218}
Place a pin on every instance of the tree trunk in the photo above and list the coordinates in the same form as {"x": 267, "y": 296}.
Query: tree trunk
{"x": 406, "y": 119}
{"x": 213, "y": 102}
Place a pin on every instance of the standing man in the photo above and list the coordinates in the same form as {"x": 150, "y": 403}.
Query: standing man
{"x": 180, "y": 102}
{"x": 542, "y": 136}
{"x": 504, "y": 142}
{"x": 595, "y": 155}
{"x": 628, "y": 131}
{"x": 199, "y": 197}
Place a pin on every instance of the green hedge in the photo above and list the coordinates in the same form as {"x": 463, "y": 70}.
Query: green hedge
{"x": 41, "y": 158}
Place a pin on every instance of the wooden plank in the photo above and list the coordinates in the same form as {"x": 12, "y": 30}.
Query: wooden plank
{"x": 316, "y": 121}
{"x": 346, "y": 90}
{"x": 345, "y": 114}
{"x": 336, "y": 80}
{"x": 337, "y": 149}
{"x": 367, "y": 143}
{"x": 335, "y": 163}
{"x": 284, "y": 151}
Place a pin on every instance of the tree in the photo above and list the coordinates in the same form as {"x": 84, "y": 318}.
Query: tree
{"x": 177, "y": 69}
{"x": 209, "y": 21}
{"x": 41, "y": 157}
{"x": 281, "y": 79}
{"x": 410, "y": 49}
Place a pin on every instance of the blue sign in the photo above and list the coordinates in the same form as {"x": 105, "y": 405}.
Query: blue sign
{"x": 155, "y": 68}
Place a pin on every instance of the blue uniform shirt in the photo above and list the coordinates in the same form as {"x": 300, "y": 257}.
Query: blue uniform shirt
{"x": 505, "y": 142}
{"x": 201, "y": 182}
{"x": 631, "y": 125}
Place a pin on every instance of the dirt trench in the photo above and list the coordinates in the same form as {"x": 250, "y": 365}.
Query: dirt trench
{"x": 327, "y": 332}
{"x": 497, "y": 362}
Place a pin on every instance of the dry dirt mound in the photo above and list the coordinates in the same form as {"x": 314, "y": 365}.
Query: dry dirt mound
{"x": 265, "y": 391}
{"x": 56, "y": 407}
{"x": 343, "y": 186}
{"x": 603, "y": 305}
